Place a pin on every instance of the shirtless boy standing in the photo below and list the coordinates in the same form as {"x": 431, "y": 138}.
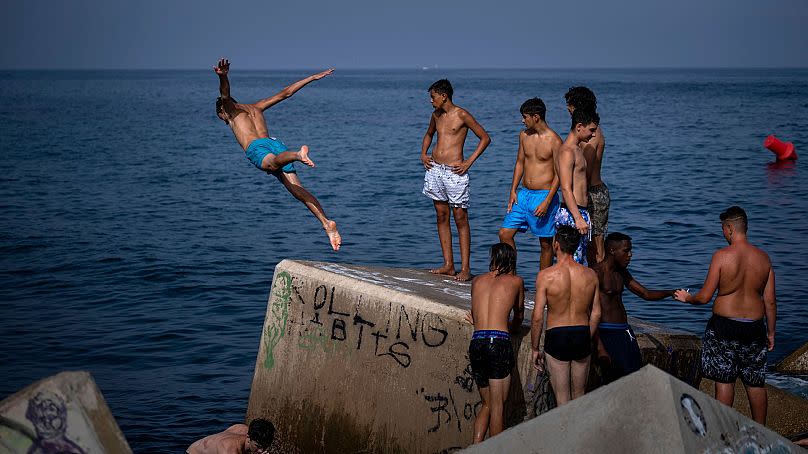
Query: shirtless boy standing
{"x": 571, "y": 168}
{"x": 570, "y": 292}
{"x": 536, "y": 203}
{"x": 493, "y": 296}
{"x": 617, "y": 345}
{"x": 737, "y": 337}
{"x": 268, "y": 153}
{"x": 446, "y": 181}
{"x": 598, "y": 192}
{"x": 237, "y": 439}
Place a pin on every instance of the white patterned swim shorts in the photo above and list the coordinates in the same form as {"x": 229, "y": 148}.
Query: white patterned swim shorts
{"x": 443, "y": 185}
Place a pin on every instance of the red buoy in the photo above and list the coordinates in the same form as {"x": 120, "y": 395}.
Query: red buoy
{"x": 783, "y": 150}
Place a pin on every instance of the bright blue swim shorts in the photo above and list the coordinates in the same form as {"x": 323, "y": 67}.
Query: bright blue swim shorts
{"x": 521, "y": 216}
{"x": 259, "y": 148}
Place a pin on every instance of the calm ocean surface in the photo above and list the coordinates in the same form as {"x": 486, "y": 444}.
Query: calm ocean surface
{"x": 137, "y": 242}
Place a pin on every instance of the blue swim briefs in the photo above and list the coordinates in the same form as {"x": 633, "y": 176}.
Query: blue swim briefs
{"x": 521, "y": 216}
{"x": 259, "y": 148}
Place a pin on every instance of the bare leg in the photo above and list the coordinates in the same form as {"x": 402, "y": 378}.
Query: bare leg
{"x": 273, "y": 162}
{"x": 445, "y": 237}
{"x": 758, "y": 403}
{"x": 725, "y": 393}
{"x": 546, "y": 254}
{"x": 482, "y": 418}
{"x": 461, "y": 217}
{"x": 292, "y": 184}
{"x": 597, "y": 250}
{"x": 579, "y": 371}
{"x": 506, "y": 236}
{"x": 499, "y": 392}
{"x": 559, "y": 377}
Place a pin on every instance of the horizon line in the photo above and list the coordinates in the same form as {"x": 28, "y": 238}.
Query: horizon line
{"x": 431, "y": 69}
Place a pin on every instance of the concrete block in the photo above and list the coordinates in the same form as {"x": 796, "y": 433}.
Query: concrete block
{"x": 65, "y": 413}
{"x": 796, "y": 362}
{"x": 648, "y": 411}
{"x": 361, "y": 359}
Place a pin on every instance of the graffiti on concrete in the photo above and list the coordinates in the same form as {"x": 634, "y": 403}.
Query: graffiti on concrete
{"x": 692, "y": 414}
{"x": 458, "y": 404}
{"x": 329, "y": 322}
{"x": 278, "y": 317}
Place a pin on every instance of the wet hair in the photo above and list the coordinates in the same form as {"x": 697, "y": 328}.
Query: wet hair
{"x": 581, "y": 98}
{"x": 568, "y": 238}
{"x": 613, "y": 238}
{"x": 503, "y": 258}
{"x": 533, "y": 106}
{"x": 584, "y": 117}
{"x": 736, "y": 215}
{"x": 262, "y": 432}
{"x": 443, "y": 87}
{"x": 220, "y": 103}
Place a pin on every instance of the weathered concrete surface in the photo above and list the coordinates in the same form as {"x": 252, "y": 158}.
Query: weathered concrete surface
{"x": 796, "y": 362}
{"x": 358, "y": 359}
{"x": 648, "y": 411}
{"x": 787, "y": 414}
{"x": 62, "y": 413}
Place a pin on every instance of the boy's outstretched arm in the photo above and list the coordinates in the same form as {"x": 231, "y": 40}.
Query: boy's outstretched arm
{"x": 288, "y": 91}
{"x": 710, "y": 284}
{"x": 646, "y": 294}
{"x": 221, "y": 69}
{"x": 478, "y": 131}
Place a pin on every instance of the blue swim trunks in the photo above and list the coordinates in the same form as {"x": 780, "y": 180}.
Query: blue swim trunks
{"x": 521, "y": 216}
{"x": 259, "y": 148}
{"x": 564, "y": 217}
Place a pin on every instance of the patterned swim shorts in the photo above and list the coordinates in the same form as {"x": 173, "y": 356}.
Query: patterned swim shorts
{"x": 443, "y": 185}
{"x": 732, "y": 348}
{"x": 599, "y": 202}
{"x": 564, "y": 217}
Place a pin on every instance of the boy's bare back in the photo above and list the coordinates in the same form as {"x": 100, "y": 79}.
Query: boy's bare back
{"x": 570, "y": 289}
{"x": 492, "y": 299}
{"x": 745, "y": 270}
{"x": 539, "y": 150}
{"x": 230, "y": 441}
{"x": 593, "y": 153}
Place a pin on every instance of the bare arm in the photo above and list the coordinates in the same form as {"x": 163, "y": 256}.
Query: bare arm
{"x": 518, "y": 172}
{"x": 478, "y": 131}
{"x": 708, "y": 289}
{"x": 288, "y": 91}
{"x": 221, "y": 69}
{"x": 648, "y": 295}
{"x": 566, "y": 162}
{"x": 427, "y": 141}
{"x": 518, "y": 310}
{"x": 541, "y": 210}
{"x": 594, "y": 315}
{"x": 770, "y": 303}
{"x": 537, "y": 321}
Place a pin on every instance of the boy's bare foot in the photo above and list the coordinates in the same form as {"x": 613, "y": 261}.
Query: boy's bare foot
{"x": 333, "y": 235}
{"x": 304, "y": 156}
{"x": 448, "y": 270}
{"x": 463, "y": 275}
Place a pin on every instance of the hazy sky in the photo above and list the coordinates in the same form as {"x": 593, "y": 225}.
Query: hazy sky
{"x": 270, "y": 34}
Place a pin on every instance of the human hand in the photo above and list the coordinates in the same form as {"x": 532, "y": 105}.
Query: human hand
{"x": 223, "y": 67}
{"x": 681, "y": 295}
{"x": 469, "y": 317}
{"x": 327, "y": 72}
{"x": 427, "y": 161}
{"x": 770, "y": 339}
{"x": 511, "y": 201}
{"x": 462, "y": 168}
{"x": 603, "y": 357}
{"x": 541, "y": 210}
{"x": 538, "y": 360}
{"x": 582, "y": 226}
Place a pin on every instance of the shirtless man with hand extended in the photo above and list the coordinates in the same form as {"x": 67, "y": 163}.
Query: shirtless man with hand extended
{"x": 741, "y": 330}
{"x": 268, "y": 153}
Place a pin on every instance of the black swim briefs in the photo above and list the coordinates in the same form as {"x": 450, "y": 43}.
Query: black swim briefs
{"x": 491, "y": 356}
{"x": 568, "y": 343}
{"x": 732, "y": 348}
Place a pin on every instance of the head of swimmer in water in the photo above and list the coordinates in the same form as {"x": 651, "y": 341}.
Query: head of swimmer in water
{"x": 733, "y": 222}
{"x": 584, "y": 124}
{"x": 503, "y": 259}
{"x": 533, "y": 111}
{"x": 220, "y": 112}
{"x": 566, "y": 240}
{"x": 260, "y": 435}
{"x": 618, "y": 245}
{"x": 440, "y": 92}
{"x": 580, "y": 98}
